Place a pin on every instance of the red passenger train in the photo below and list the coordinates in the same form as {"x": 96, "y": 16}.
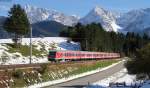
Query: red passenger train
{"x": 80, "y": 55}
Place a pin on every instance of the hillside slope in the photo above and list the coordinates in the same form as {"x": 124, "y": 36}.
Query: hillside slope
{"x": 41, "y": 46}
{"x": 47, "y": 28}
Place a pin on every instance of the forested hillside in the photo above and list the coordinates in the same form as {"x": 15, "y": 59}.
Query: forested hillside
{"x": 94, "y": 38}
{"x": 47, "y": 28}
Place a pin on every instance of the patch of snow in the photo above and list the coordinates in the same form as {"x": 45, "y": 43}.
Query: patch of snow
{"x": 115, "y": 27}
{"x": 128, "y": 79}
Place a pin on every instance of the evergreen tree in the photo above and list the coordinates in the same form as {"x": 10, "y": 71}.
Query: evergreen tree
{"x": 140, "y": 64}
{"x": 17, "y": 23}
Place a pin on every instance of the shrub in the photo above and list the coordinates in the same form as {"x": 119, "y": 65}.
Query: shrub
{"x": 43, "y": 68}
{"x": 17, "y": 74}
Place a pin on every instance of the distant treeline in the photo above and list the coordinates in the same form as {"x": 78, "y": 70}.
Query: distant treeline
{"x": 93, "y": 37}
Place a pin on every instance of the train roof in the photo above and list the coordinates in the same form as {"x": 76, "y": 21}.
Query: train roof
{"x": 76, "y": 51}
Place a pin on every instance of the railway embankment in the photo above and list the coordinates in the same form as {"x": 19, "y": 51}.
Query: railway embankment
{"x": 50, "y": 73}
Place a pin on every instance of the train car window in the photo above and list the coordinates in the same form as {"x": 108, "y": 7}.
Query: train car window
{"x": 83, "y": 55}
{"x": 72, "y": 54}
{"x": 94, "y": 54}
{"x": 88, "y": 55}
{"x": 66, "y": 54}
{"x": 79, "y": 54}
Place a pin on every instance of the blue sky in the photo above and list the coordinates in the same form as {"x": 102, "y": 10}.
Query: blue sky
{"x": 78, "y": 7}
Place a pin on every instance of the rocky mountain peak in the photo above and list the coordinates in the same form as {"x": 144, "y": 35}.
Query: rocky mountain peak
{"x": 41, "y": 14}
{"x": 100, "y": 15}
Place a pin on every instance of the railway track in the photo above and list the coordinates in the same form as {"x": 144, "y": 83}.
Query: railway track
{"x": 36, "y": 65}
{"x": 19, "y": 66}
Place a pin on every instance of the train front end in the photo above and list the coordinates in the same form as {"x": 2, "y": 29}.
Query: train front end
{"x": 52, "y": 55}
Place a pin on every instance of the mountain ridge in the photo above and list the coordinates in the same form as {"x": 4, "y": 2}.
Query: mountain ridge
{"x": 36, "y": 14}
{"x": 133, "y": 21}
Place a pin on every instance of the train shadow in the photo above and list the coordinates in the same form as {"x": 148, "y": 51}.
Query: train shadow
{"x": 84, "y": 86}
{"x": 74, "y": 86}
{"x": 96, "y": 86}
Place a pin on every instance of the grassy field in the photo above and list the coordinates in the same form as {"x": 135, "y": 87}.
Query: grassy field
{"x": 52, "y": 72}
{"x": 24, "y": 50}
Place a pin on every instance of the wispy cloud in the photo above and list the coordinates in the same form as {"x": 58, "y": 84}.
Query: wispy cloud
{"x": 5, "y": 0}
{"x": 4, "y": 7}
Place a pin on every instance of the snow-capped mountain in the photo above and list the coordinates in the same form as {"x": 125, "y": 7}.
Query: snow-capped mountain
{"x": 132, "y": 21}
{"x": 41, "y": 14}
{"x": 100, "y": 15}
{"x": 135, "y": 20}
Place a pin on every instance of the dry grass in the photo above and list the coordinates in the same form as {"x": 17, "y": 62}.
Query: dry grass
{"x": 52, "y": 72}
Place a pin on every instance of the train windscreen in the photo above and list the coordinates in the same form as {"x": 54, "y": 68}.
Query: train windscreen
{"x": 52, "y": 55}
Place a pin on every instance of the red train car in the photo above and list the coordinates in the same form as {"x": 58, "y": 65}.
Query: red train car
{"x": 80, "y": 55}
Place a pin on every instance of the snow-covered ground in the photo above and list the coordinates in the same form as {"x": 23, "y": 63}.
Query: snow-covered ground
{"x": 60, "y": 43}
{"x": 121, "y": 78}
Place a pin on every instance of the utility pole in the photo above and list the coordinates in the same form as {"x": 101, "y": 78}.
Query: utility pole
{"x": 86, "y": 44}
{"x": 30, "y": 45}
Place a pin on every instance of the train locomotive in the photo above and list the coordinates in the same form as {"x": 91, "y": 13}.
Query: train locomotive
{"x": 79, "y": 55}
